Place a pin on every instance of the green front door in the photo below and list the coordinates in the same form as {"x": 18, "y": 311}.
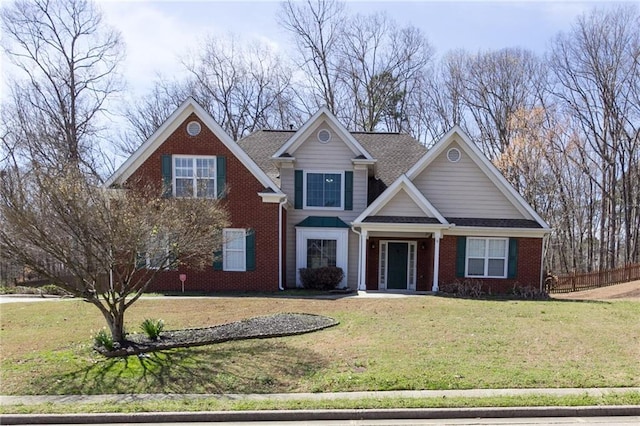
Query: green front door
{"x": 398, "y": 254}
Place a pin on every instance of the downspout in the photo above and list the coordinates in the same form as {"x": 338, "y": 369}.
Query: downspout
{"x": 545, "y": 247}
{"x": 280, "y": 206}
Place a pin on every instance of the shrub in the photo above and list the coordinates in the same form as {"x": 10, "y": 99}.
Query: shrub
{"x": 152, "y": 328}
{"x": 466, "y": 288}
{"x": 528, "y": 292}
{"x": 325, "y": 278}
{"x": 102, "y": 339}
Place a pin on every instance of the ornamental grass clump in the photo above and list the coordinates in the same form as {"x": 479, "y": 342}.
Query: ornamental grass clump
{"x": 152, "y": 328}
{"x": 102, "y": 339}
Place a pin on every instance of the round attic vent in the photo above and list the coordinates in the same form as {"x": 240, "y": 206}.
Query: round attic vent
{"x": 193, "y": 128}
{"x": 324, "y": 136}
{"x": 454, "y": 155}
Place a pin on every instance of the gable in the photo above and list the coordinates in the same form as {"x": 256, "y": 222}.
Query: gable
{"x": 313, "y": 154}
{"x": 401, "y": 204}
{"x": 462, "y": 189}
{"x": 172, "y": 138}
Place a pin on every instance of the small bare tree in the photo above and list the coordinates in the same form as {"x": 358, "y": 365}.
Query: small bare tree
{"x": 103, "y": 245}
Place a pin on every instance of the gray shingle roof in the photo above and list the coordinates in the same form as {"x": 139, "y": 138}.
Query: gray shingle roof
{"x": 401, "y": 219}
{"x": 395, "y": 152}
{"x": 494, "y": 223}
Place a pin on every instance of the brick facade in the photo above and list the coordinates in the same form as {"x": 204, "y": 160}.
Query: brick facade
{"x": 528, "y": 269}
{"x": 246, "y": 210}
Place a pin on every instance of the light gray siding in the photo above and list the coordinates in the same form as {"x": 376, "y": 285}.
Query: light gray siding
{"x": 315, "y": 156}
{"x": 401, "y": 205}
{"x": 463, "y": 190}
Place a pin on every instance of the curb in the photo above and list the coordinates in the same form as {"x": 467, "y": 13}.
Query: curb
{"x": 301, "y": 415}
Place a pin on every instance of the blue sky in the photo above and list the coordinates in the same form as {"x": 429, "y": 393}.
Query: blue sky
{"x": 158, "y": 32}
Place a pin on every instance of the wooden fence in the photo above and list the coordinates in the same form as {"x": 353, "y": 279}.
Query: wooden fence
{"x": 586, "y": 281}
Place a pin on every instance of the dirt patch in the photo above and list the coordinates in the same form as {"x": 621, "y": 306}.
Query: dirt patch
{"x": 625, "y": 291}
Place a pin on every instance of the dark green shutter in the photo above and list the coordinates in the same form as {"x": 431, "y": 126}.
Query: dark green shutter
{"x": 141, "y": 260}
{"x": 250, "y": 250}
{"x": 512, "y": 269}
{"x": 348, "y": 190}
{"x": 166, "y": 176}
{"x": 217, "y": 260}
{"x": 298, "y": 193}
{"x": 461, "y": 256}
{"x": 221, "y": 176}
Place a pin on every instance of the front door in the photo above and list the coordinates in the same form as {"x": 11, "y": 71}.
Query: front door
{"x": 398, "y": 256}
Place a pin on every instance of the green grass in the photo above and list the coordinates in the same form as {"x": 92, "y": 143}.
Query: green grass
{"x": 216, "y": 404}
{"x": 381, "y": 344}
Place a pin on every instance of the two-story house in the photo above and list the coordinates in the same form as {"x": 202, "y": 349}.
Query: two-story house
{"x": 391, "y": 214}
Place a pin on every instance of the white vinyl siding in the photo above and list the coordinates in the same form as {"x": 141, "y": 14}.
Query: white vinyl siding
{"x": 463, "y": 190}
{"x": 401, "y": 205}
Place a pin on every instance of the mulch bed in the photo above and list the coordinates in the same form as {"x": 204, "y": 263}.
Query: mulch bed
{"x": 264, "y": 327}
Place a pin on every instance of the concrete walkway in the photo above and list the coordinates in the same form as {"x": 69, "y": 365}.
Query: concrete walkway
{"x": 310, "y": 415}
{"x": 464, "y": 393}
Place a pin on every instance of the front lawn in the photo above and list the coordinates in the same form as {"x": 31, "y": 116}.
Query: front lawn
{"x": 381, "y": 344}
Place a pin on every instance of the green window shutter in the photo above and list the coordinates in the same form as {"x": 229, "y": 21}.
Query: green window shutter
{"x": 512, "y": 268}
{"x": 217, "y": 260}
{"x": 461, "y": 256}
{"x": 348, "y": 190}
{"x": 250, "y": 250}
{"x": 298, "y": 193}
{"x": 141, "y": 260}
{"x": 221, "y": 176}
{"x": 167, "y": 177}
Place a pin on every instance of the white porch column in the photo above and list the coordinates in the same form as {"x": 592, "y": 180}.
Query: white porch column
{"x": 436, "y": 259}
{"x": 362, "y": 268}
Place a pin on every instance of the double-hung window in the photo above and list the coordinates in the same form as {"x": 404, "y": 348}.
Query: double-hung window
{"x": 324, "y": 190}
{"x": 321, "y": 253}
{"x": 194, "y": 176}
{"x": 234, "y": 250}
{"x": 487, "y": 257}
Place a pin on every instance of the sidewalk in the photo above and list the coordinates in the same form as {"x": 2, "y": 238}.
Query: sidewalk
{"x": 309, "y": 415}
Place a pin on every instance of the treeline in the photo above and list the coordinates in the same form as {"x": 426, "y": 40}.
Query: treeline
{"x": 563, "y": 126}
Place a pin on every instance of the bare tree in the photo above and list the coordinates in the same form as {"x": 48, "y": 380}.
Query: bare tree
{"x": 597, "y": 74}
{"x": 103, "y": 245}
{"x": 68, "y": 60}
{"x": 317, "y": 28}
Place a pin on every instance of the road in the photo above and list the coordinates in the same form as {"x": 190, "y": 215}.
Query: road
{"x": 562, "y": 421}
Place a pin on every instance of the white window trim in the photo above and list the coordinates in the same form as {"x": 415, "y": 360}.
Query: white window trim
{"x": 486, "y": 258}
{"x": 304, "y": 189}
{"x": 341, "y": 235}
{"x": 226, "y": 250}
{"x": 383, "y": 262}
{"x": 195, "y": 179}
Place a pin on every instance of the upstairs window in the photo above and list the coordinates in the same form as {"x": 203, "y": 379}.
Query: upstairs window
{"x": 324, "y": 190}
{"x": 194, "y": 176}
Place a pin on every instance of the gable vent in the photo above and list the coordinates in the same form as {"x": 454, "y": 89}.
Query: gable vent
{"x": 454, "y": 155}
{"x": 324, "y": 136}
{"x": 193, "y": 128}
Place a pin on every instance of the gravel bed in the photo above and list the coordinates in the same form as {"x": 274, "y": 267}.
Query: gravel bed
{"x": 277, "y": 325}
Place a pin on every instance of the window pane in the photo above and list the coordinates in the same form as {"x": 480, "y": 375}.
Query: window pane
{"x": 496, "y": 267}
{"x": 475, "y": 247}
{"x": 497, "y": 248}
{"x": 476, "y": 267}
{"x": 206, "y": 188}
{"x": 234, "y": 240}
{"x": 206, "y": 167}
{"x": 315, "y": 189}
{"x": 321, "y": 253}
{"x": 332, "y": 187}
{"x": 233, "y": 260}
{"x": 184, "y": 187}
{"x": 184, "y": 167}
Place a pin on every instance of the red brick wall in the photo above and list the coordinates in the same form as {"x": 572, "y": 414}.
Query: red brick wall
{"x": 528, "y": 272}
{"x": 245, "y": 207}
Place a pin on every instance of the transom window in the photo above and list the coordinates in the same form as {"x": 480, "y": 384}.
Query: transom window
{"x": 321, "y": 253}
{"x": 487, "y": 257}
{"x": 324, "y": 190}
{"x": 194, "y": 176}
{"x": 234, "y": 250}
